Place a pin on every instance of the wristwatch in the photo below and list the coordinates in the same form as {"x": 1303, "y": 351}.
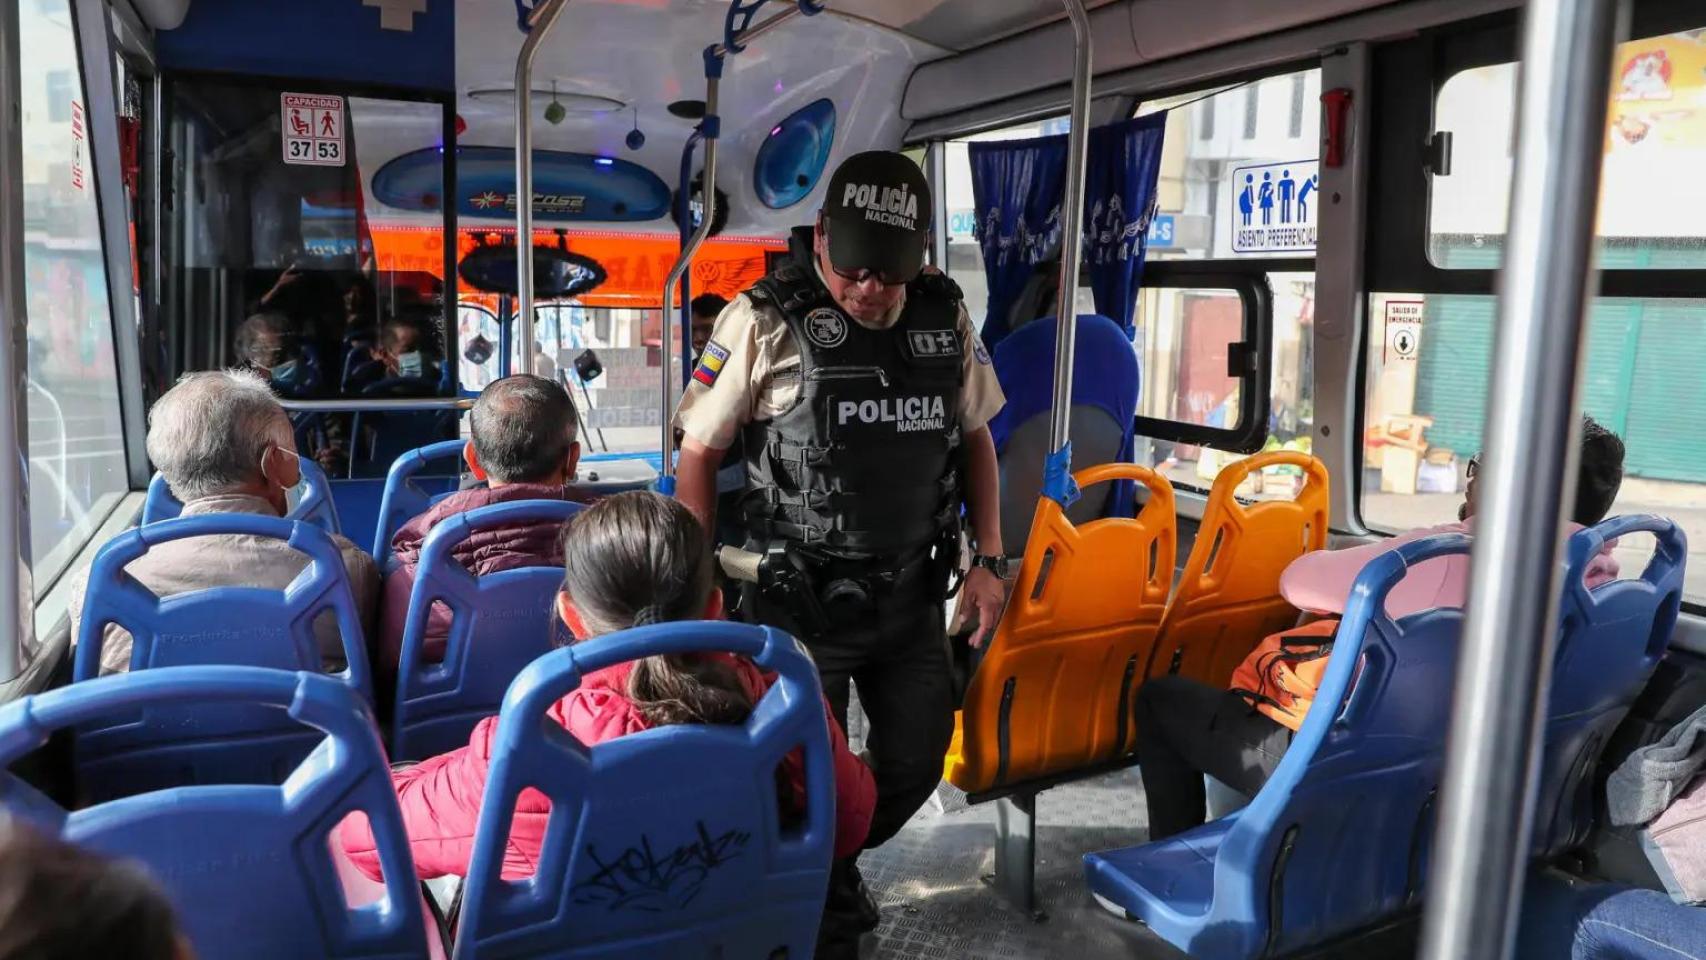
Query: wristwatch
{"x": 1002, "y": 567}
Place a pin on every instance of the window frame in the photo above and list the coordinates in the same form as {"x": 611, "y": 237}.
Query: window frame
{"x": 167, "y": 82}
{"x": 1233, "y": 273}
{"x": 1229, "y": 273}
{"x": 90, "y": 82}
{"x": 1406, "y": 81}
{"x": 1397, "y": 241}
{"x": 1254, "y": 352}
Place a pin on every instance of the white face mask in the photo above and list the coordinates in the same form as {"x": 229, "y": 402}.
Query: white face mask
{"x": 410, "y": 364}
{"x": 293, "y": 493}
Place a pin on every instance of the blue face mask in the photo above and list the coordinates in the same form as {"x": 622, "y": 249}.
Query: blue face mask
{"x": 411, "y": 364}
{"x": 286, "y": 374}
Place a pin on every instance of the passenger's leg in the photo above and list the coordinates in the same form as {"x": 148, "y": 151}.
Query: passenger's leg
{"x": 1186, "y": 729}
{"x": 906, "y": 689}
{"x": 1633, "y": 924}
{"x": 1606, "y": 922}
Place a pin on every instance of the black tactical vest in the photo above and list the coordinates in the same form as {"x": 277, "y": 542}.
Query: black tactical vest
{"x": 866, "y": 463}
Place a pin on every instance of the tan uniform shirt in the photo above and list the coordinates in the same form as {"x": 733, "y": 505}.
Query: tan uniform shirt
{"x": 760, "y": 377}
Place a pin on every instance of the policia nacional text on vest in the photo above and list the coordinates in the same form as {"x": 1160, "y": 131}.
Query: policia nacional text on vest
{"x": 854, "y": 491}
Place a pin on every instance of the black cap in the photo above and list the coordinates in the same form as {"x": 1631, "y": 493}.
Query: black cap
{"x": 877, "y": 213}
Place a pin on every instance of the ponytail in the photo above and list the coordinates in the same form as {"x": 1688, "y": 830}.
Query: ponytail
{"x": 636, "y": 559}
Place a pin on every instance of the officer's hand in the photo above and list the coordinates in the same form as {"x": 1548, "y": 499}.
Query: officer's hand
{"x": 987, "y": 594}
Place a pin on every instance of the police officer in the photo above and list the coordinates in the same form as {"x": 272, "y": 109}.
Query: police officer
{"x": 862, "y": 396}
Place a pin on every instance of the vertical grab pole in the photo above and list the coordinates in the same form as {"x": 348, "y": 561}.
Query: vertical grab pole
{"x": 543, "y": 18}
{"x": 710, "y": 128}
{"x": 16, "y": 618}
{"x": 1493, "y": 748}
{"x": 684, "y": 211}
{"x": 734, "y": 41}
{"x": 1015, "y": 820}
{"x": 1057, "y": 481}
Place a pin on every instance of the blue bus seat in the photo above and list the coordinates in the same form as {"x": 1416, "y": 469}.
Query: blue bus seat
{"x": 316, "y": 505}
{"x": 1104, "y": 402}
{"x": 391, "y": 434}
{"x": 170, "y": 744}
{"x": 250, "y": 868}
{"x": 1610, "y": 639}
{"x": 499, "y": 624}
{"x": 1338, "y": 838}
{"x": 403, "y": 499}
{"x": 664, "y": 843}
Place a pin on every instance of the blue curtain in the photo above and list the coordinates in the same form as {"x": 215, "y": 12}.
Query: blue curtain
{"x": 1016, "y": 190}
{"x": 1017, "y": 186}
{"x": 1120, "y": 202}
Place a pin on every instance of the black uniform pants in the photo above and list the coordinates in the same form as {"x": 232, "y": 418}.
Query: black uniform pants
{"x": 1186, "y": 729}
{"x": 897, "y": 656}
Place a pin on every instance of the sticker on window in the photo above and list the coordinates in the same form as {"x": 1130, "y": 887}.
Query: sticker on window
{"x": 313, "y": 129}
{"x": 1274, "y": 207}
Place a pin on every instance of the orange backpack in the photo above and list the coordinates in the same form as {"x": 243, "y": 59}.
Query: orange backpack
{"x": 1281, "y": 675}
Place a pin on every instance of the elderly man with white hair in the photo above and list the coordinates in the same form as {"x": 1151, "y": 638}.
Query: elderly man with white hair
{"x": 225, "y": 445}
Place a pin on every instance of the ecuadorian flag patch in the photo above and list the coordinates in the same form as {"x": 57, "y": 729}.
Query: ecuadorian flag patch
{"x": 711, "y": 363}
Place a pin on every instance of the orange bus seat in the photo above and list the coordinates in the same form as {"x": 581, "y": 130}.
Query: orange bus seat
{"x": 1053, "y": 692}
{"x": 1228, "y": 598}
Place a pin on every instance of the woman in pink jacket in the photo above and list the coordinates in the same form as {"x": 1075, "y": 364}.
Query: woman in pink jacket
{"x": 629, "y": 560}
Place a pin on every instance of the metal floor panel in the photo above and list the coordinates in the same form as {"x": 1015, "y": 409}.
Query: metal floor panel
{"x": 934, "y": 904}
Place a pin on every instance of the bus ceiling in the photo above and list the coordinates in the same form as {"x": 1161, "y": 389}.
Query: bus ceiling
{"x": 935, "y": 58}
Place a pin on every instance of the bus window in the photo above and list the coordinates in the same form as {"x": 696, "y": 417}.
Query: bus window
{"x": 1187, "y": 336}
{"x": 1239, "y": 178}
{"x": 1238, "y": 194}
{"x": 619, "y": 406}
{"x": 1429, "y": 358}
{"x": 1430, "y": 334}
{"x": 76, "y": 450}
{"x": 1652, "y": 210}
{"x": 1238, "y": 189}
{"x": 254, "y": 231}
{"x": 477, "y": 338}
{"x": 965, "y": 261}
{"x": 284, "y": 260}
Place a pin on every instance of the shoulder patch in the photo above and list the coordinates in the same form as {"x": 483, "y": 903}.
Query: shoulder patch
{"x": 711, "y": 363}
{"x": 979, "y": 350}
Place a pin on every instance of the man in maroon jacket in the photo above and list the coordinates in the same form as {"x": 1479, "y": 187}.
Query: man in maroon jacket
{"x": 523, "y": 448}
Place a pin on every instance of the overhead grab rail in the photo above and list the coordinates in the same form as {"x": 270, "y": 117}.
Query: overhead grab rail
{"x": 1057, "y": 469}
{"x": 738, "y": 31}
{"x": 1504, "y": 669}
{"x": 382, "y": 405}
{"x": 540, "y": 22}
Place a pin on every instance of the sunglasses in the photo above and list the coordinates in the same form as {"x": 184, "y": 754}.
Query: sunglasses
{"x": 860, "y": 276}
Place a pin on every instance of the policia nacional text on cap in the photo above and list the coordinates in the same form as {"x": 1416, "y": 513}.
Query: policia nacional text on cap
{"x": 862, "y": 396}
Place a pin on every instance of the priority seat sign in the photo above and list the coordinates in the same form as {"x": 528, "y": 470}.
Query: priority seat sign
{"x": 1274, "y": 207}
{"x": 313, "y": 129}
